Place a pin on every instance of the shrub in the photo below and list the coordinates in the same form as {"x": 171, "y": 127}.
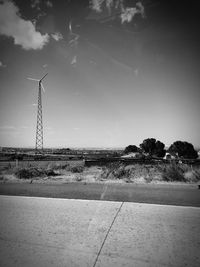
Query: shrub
{"x": 173, "y": 172}
{"x": 130, "y": 172}
{"x": 76, "y": 169}
{"x": 29, "y": 173}
{"x": 192, "y": 175}
{"x": 51, "y": 172}
{"x": 114, "y": 171}
{"x": 78, "y": 178}
{"x": 130, "y": 149}
{"x": 58, "y": 166}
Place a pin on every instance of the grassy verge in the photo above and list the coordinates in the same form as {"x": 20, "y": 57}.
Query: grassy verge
{"x": 115, "y": 172}
{"x": 152, "y": 173}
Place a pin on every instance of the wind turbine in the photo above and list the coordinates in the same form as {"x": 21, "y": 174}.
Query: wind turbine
{"x": 39, "y": 127}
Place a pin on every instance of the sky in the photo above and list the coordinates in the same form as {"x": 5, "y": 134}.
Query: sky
{"x": 118, "y": 72}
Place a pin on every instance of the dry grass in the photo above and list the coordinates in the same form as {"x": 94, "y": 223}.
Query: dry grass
{"x": 132, "y": 173}
{"x": 152, "y": 173}
{"x": 115, "y": 172}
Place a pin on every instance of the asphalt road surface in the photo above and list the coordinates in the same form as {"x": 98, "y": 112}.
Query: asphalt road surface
{"x": 38, "y": 232}
{"x": 168, "y": 194}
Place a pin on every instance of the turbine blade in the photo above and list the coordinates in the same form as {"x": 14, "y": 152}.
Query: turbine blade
{"x": 43, "y": 77}
{"x": 74, "y": 60}
{"x": 32, "y": 79}
{"x": 42, "y": 87}
{"x": 70, "y": 26}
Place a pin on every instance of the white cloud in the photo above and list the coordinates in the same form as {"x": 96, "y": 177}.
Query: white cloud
{"x": 49, "y": 3}
{"x": 127, "y": 13}
{"x": 97, "y": 5}
{"x": 141, "y": 10}
{"x": 74, "y": 61}
{"x": 57, "y": 36}
{"x": 2, "y": 65}
{"x": 35, "y": 4}
{"x": 22, "y": 31}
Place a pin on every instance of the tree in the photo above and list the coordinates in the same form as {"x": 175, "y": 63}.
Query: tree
{"x": 131, "y": 149}
{"x": 159, "y": 149}
{"x": 153, "y": 147}
{"x": 183, "y": 149}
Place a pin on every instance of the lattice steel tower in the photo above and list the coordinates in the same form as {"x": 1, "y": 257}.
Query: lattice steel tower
{"x": 39, "y": 127}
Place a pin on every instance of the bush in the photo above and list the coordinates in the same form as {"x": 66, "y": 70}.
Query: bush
{"x": 78, "y": 178}
{"x": 51, "y": 172}
{"x": 130, "y": 149}
{"x": 114, "y": 171}
{"x": 173, "y": 172}
{"x": 192, "y": 175}
{"x": 131, "y": 173}
{"x": 58, "y": 166}
{"x": 76, "y": 169}
{"x": 29, "y": 173}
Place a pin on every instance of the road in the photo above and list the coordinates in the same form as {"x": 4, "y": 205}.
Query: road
{"x": 168, "y": 194}
{"x": 86, "y": 233}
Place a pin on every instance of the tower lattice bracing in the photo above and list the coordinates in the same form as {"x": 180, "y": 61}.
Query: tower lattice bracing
{"x": 39, "y": 128}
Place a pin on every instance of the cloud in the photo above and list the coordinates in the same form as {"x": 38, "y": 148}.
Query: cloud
{"x": 35, "y": 4}
{"x": 129, "y": 12}
{"x": 49, "y": 3}
{"x": 22, "y": 31}
{"x": 97, "y": 5}
{"x": 57, "y": 36}
{"x": 2, "y": 65}
{"x": 140, "y": 8}
{"x": 74, "y": 61}
{"x": 126, "y": 13}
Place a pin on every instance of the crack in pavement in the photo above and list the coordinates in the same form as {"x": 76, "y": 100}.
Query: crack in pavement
{"x": 107, "y": 234}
